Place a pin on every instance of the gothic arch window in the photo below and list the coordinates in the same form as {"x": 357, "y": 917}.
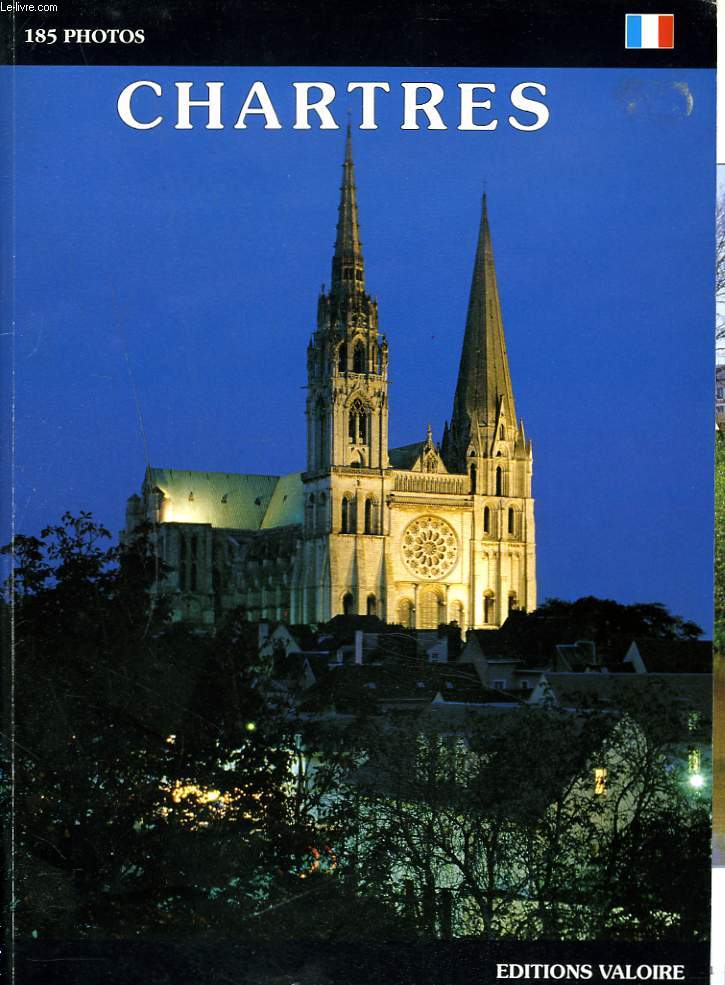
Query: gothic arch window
{"x": 487, "y": 520}
{"x": 310, "y": 514}
{"x": 473, "y": 478}
{"x": 369, "y": 516}
{"x": 345, "y": 523}
{"x": 183, "y": 574}
{"x": 501, "y": 432}
{"x": 358, "y": 358}
{"x": 406, "y": 613}
{"x": 342, "y": 358}
{"x": 348, "y": 604}
{"x": 489, "y": 607}
{"x": 321, "y": 525}
{"x": 321, "y": 422}
{"x": 193, "y": 568}
{"x": 431, "y": 608}
{"x": 357, "y": 422}
{"x": 456, "y": 613}
{"x": 499, "y": 481}
{"x": 513, "y": 602}
{"x": 372, "y": 606}
{"x": 512, "y": 520}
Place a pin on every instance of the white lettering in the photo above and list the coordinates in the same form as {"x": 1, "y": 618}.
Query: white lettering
{"x": 305, "y": 107}
{"x": 368, "y": 101}
{"x": 468, "y": 104}
{"x": 259, "y": 92}
{"x": 522, "y": 102}
{"x": 124, "y": 105}
{"x": 213, "y": 104}
{"x": 411, "y": 106}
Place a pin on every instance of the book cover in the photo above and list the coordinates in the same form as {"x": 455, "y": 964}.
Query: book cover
{"x": 358, "y": 397}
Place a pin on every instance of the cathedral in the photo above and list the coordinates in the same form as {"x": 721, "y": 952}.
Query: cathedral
{"x": 419, "y": 535}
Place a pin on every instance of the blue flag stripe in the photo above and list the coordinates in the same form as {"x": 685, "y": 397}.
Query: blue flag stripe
{"x": 634, "y": 31}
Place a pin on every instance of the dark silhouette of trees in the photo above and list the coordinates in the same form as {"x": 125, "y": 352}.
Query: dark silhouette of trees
{"x": 149, "y": 760}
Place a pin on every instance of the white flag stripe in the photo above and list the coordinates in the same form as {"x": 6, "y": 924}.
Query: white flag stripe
{"x": 650, "y": 31}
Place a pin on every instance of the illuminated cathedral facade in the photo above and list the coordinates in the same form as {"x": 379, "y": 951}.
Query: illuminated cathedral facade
{"x": 424, "y": 534}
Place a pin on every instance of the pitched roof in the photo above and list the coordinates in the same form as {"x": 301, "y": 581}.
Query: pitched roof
{"x": 287, "y": 503}
{"x": 405, "y": 456}
{"x": 675, "y": 656}
{"x": 603, "y": 689}
{"x": 228, "y": 500}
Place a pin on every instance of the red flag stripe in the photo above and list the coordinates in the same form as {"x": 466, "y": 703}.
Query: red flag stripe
{"x": 666, "y": 32}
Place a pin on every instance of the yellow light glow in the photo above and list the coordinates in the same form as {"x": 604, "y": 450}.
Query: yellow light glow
{"x": 600, "y": 780}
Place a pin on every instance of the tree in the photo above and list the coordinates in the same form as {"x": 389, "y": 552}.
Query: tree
{"x": 512, "y": 837}
{"x": 149, "y": 760}
{"x": 604, "y": 621}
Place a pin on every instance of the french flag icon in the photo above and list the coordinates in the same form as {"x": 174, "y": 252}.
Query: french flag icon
{"x": 649, "y": 31}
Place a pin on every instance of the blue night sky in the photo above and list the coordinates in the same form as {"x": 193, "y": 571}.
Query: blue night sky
{"x": 185, "y": 266}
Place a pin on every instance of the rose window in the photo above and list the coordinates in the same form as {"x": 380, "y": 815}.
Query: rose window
{"x": 429, "y": 547}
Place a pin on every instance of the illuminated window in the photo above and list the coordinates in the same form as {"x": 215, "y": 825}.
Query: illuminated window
{"x": 693, "y": 720}
{"x": 405, "y": 613}
{"x": 357, "y": 422}
{"x": 600, "y": 780}
{"x": 432, "y": 610}
{"x": 694, "y": 761}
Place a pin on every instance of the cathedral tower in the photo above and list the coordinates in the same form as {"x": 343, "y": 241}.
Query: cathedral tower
{"x": 339, "y": 569}
{"x": 487, "y": 442}
{"x": 347, "y": 360}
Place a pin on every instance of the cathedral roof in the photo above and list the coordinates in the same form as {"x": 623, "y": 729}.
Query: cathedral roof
{"x": 406, "y": 456}
{"x": 287, "y": 503}
{"x": 228, "y": 499}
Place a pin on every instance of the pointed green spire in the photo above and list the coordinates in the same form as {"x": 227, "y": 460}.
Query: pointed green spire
{"x": 348, "y": 272}
{"x": 484, "y": 381}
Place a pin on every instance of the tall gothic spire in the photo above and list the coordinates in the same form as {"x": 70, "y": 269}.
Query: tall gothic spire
{"x": 484, "y": 388}
{"x": 348, "y": 272}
